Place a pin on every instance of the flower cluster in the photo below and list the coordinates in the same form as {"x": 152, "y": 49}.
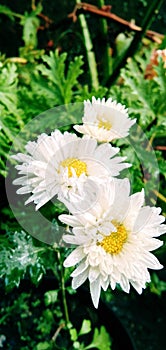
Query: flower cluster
{"x": 112, "y": 233}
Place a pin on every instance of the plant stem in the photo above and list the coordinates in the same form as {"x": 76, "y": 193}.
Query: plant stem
{"x": 151, "y": 11}
{"x": 106, "y": 61}
{"x": 159, "y": 195}
{"x": 57, "y": 332}
{"x": 63, "y": 288}
{"x": 160, "y": 148}
{"x": 89, "y": 50}
{"x": 17, "y": 15}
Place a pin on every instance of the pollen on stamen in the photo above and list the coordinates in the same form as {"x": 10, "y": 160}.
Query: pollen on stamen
{"x": 104, "y": 124}
{"x": 113, "y": 243}
{"x": 78, "y": 165}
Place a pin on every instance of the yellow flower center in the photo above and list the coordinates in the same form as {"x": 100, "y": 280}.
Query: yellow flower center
{"x": 113, "y": 243}
{"x": 79, "y": 166}
{"x": 104, "y": 124}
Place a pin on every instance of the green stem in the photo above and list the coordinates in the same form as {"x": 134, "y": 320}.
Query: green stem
{"x": 150, "y": 14}
{"x": 17, "y": 15}
{"x": 89, "y": 50}
{"x": 63, "y": 288}
{"x": 106, "y": 61}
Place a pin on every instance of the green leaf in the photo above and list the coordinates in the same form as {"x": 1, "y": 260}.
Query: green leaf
{"x": 122, "y": 44}
{"x": 145, "y": 98}
{"x": 85, "y": 93}
{"x": 10, "y": 115}
{"x": 6, "y": 11}
{"x": 161, "y": 75}
{"x": 85, "y": 328}
{"x": 50, "y": 297}
{"x": 101, "y": 340}
{"x": 38, "y": 9}
{"x": 156, "y": 285}
{"x": 73, "y": 73}
{"x": 30, "y": 24}
{"x": 61, "y": 83}
{"x": 43, "y": 346}
{"x": 73, "y": 334}
{"x": 18, "y": 257}
{"x": 77, "y": 345}
{"x": 141, "y": 94}
{"x": 8, "y": 84}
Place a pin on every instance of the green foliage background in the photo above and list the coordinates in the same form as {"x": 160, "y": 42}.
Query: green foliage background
{"x": 35, "y": 77}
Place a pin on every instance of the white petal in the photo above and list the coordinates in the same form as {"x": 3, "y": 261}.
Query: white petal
{"x": 124, "y": 283}
{"x": 106, "y": 149}
{"x": 79, "y": 280}
{"x": 112, "y": 283}
{"x": 151, "y": 261}
{"x": 148, "y": 217}
{"x": 20, "y": 157}
{"x": 69, "y": 220}
{"x": 93, "y": 274}
{"x": 74, "y": 258}
{"x": 138, "y": 287}
{"x": 81, "y": 268}
{"x": 95, "y": 289}
{"x": 23, "y": 190}
{"x": 151, "y": 244}
{"x": 43, "y": 171}
{"x": 104, "y": 283}
{"x": 109, "y": 111}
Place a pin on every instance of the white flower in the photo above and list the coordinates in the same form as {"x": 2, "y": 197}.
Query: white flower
{"x": 115, "y": 238}
{"x": 105, "y": 120}
{"x": 61, "y": 164}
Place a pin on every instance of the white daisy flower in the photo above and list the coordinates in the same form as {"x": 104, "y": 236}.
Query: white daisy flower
{"x": 115, "y": 238}
{"x": 61, "y": 164}
{"x": 105, "y": 120}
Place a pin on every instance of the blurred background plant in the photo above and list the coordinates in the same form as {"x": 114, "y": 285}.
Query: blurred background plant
{"x": 60, "y": 53}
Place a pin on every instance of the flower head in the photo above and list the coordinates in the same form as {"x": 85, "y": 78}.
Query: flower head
{"x": 105, "y": 120}
{"x": 114, "y": 240}
{"x": 62, "y": 164}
